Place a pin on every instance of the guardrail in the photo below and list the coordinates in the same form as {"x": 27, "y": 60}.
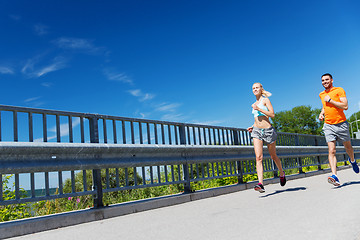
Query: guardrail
{"x": 209, "y": 161}
{"x": 19, "y": 124}
{"x": 149, "y": 153}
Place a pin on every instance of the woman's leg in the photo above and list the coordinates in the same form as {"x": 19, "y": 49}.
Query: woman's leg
{"x": 258, "y": 148}
{"x": 275, "y": 158}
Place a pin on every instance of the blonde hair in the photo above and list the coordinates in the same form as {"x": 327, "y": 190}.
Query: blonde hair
{"x": 263, "y": 91}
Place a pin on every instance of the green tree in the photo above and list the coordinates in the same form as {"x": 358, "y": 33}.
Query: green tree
{"x": 301, "y": 119}
{"x": 354, "y": 121}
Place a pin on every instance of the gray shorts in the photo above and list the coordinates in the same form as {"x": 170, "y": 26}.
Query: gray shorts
{"x": 268, "y": 135}
{"x": 338, "y": 131}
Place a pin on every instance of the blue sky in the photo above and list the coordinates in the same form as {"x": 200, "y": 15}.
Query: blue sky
{"x": 188, "y": 61}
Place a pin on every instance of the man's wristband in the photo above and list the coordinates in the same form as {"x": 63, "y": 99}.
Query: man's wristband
{"x": 329, "y": 100}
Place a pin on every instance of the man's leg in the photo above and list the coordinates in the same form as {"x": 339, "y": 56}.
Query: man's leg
{"x": 349, "y": 150}
{"x": 332, "y": 156}
{"x": 332, "y": 161}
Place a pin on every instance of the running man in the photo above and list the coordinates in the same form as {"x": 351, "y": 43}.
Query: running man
{"x": 335, "y": 127}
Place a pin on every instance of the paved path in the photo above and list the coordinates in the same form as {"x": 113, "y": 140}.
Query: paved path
{"x": 307, "y": 208}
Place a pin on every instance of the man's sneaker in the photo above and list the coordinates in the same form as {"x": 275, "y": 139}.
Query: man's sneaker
{"x": 282, "y": 180}
{"x": 354, "y": 165}
{"x": 259, "y": 187}
{"x": 334, "y": 180}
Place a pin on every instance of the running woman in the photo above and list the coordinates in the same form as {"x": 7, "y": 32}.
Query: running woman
{"x": 335, "y": 127}
{"x": 263, "y": 132}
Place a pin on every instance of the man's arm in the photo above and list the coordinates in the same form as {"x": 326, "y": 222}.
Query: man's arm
{"x": 343, "y": 104}
{"x": 321, "y": 115}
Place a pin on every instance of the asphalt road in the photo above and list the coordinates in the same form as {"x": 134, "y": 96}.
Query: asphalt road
{"x": 306, "y": 208}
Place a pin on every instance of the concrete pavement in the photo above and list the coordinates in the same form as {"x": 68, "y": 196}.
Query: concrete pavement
{"x": 306, "y": 208}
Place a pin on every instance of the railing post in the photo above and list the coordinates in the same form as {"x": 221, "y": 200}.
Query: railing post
{"x": 239, "y": 168}
{"x": 345, "y": 157}
{"x": 297, "y": 143}
{"x": 182, "y": 135}
{"x": 97, "y": 184}
{"x": 318, "y": 157}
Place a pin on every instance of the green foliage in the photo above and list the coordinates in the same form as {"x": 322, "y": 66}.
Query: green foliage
{"x": 301, "y": 119}
{"x": 82, "y": 202}
{"x": 61, "y": 205}
{"x": 354, "y": 121}
{"x": 226, "y": 181}
{"x": 13, "y": 211}
{"x": 250, "y": 177}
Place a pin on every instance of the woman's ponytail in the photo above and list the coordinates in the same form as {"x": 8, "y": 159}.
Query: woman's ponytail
{"x": 265, "y": 93}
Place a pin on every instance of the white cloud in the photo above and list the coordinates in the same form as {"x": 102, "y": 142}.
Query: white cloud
{"x": 79, "y": 44}
{"x": 74, "y": 43}
{"x": 31, "y": 99}
{"x": 211, "y": 123}
{"x": 140, "y": 95}
{"x": 46, "y": 84}
{"x": 29, "y": 66}
{"x": 57, "y": 65}
{"x": 135, "y": 93}
{"x": 34, "y": 102}
{"x": 173, "y": 117}
{"x": 30, "y": 70}
{"x": 6, "y": 70}
{"x": 148, "y": 96}
{"x": 64, "y": 130}
{"x": 141, "y": 114}
{"x": 41, "y": 29}
{"x": 171, "y": 107}
{"x": 114, "y": 76}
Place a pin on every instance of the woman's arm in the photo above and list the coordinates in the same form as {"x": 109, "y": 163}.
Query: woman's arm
{"x": 267, "y": 103}
{"x": 249, "y": 129}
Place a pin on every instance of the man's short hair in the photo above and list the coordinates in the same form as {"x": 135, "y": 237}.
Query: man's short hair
{"x": 327, "y": 74}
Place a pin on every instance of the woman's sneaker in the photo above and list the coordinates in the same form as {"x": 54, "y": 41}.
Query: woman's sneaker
{"x": 259, "y": 187}
{"x": 333, "y": 179}
{"x": 354, "y": 165}
{"x": 282, "y": 180}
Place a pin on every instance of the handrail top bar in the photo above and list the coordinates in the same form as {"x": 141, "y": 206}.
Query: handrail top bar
{"x": 102, "y": 146}
{"x": 48, "y": 157}
{"x": 109, "y": 117}
{"x": 103, "y": 116}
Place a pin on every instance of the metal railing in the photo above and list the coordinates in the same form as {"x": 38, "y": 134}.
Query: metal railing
{"x": 132, "y": 153}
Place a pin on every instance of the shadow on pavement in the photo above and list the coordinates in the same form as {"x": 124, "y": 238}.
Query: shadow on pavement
{"x": 285, "y": 190}
{"x": 347, "y": 184}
